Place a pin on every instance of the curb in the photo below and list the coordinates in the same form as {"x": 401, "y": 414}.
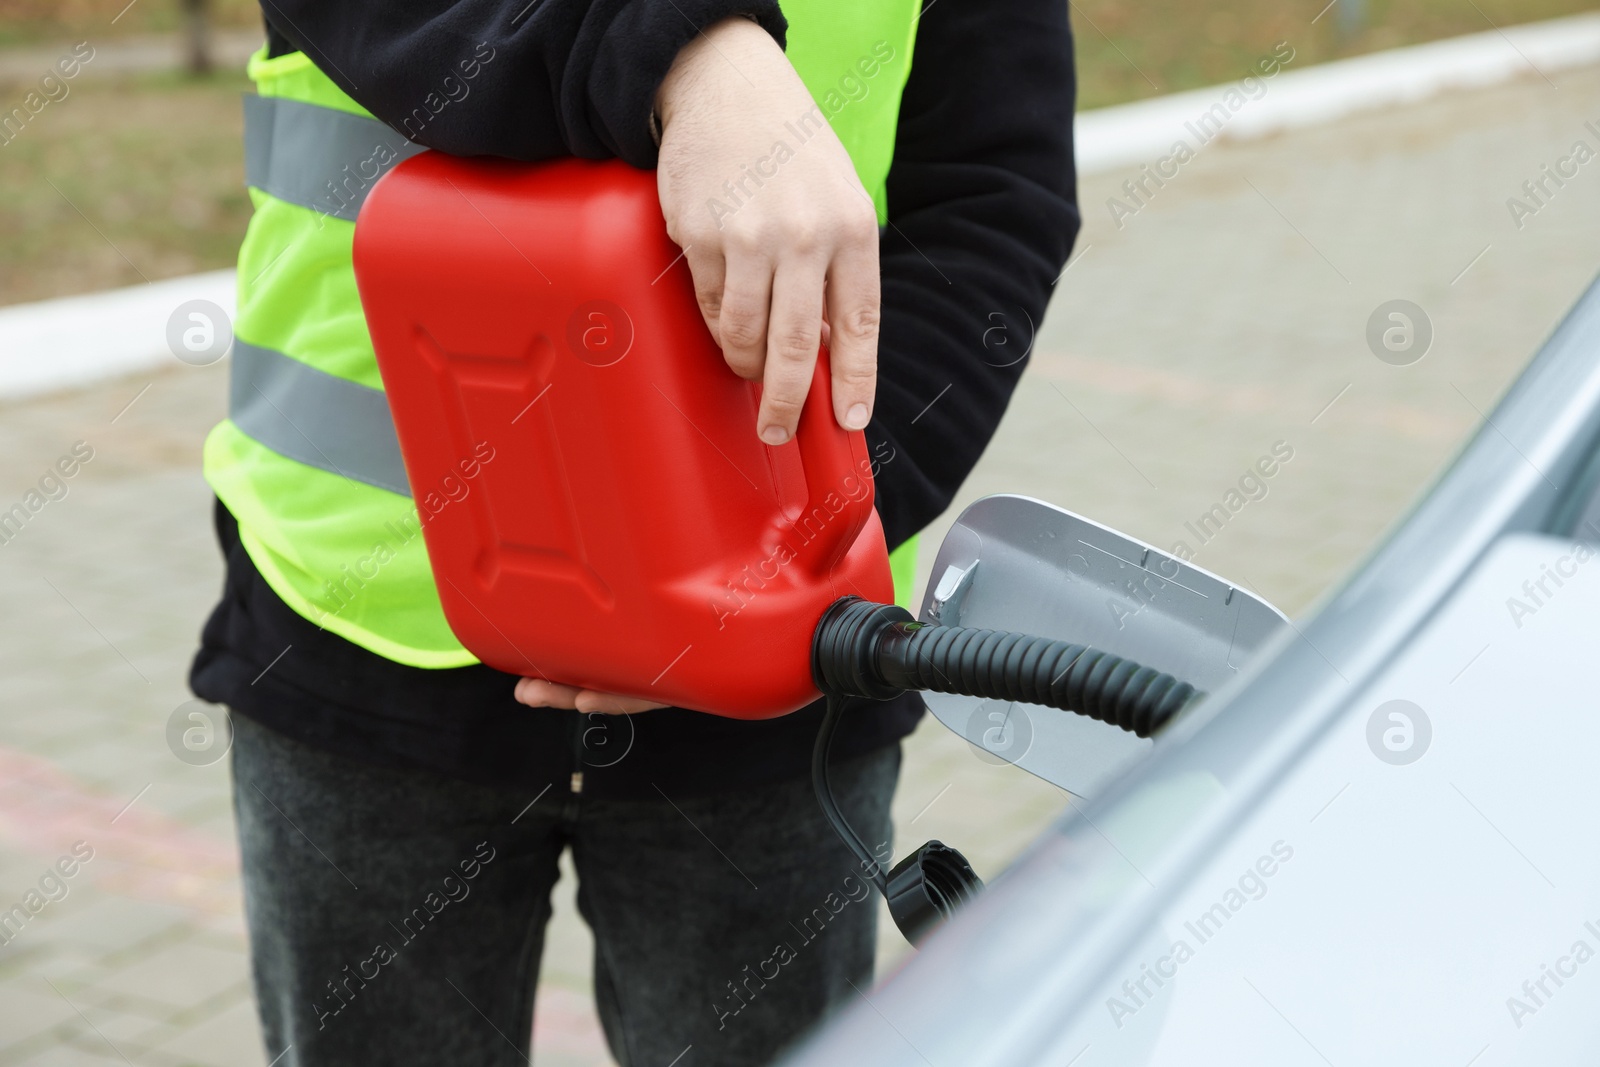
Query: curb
{"x": 140, "y": 54}
{"x": 1130, "y": 134}
{"x": 75, "y": 341}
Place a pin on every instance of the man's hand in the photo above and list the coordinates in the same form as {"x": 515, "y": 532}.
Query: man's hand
{"x": 538, "y": 693}
{"x": 777, "y": 230}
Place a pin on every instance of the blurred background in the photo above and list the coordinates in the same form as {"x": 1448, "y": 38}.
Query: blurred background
{"x": 146, "y": 160}
{"x": 1225, "y": 317}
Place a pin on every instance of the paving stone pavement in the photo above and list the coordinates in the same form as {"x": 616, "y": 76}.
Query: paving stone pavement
{"x": 1226, "y": 315}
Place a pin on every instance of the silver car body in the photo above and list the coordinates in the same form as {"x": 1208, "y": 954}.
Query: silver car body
{"x": 1375, "y": 845}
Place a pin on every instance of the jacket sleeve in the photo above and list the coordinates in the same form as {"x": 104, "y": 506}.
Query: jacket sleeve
{"x": 549, "y": 77}
{"x": 982, "y": 216}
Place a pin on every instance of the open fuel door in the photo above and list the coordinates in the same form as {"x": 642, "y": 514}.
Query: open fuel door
{"x": 1015, "y": 563}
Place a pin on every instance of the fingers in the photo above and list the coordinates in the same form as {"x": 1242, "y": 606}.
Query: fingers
{"x": 853, "y": 315}
{"x": 742, "y": 318}
{"x": 709, "y": 271}
{"x": 794, "y": 330}
{"x": 538, "y": 693}
{"x": 591, "y": 703}
{"x": 769, "y": 321}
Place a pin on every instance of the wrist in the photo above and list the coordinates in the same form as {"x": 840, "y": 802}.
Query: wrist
{"x": 723, "y": 42}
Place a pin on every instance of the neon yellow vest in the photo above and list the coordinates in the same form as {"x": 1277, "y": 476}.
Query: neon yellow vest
{"x": 346, "y": 554}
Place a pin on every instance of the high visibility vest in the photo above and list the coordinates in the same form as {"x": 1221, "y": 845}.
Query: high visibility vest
{"x": 307, "y": 459}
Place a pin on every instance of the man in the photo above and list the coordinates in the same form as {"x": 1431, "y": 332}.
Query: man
{"x": 401, "y": 814}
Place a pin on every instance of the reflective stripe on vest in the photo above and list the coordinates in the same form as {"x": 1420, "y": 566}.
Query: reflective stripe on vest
{"x": 337, "y": 425}
{"x": 313, "y": 157}
{"x": 317, "y": 157}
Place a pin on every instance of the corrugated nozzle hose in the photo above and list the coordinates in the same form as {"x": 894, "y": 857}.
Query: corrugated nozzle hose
{"x": 874, "y": 651}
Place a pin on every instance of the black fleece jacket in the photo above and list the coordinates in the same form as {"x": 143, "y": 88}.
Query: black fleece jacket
{"x": 982, "y": 216}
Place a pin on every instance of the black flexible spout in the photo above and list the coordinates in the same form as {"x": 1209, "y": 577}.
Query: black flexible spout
{"x": 862, "y": 649}
{"x": 878, "y": 650}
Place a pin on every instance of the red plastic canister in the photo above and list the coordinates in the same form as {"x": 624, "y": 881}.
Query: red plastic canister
{"x": 596, "y": 505}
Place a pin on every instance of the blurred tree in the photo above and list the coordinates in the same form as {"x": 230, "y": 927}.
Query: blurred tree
{"x": 1352, "y": 18}
{"x": 197, "y": 36}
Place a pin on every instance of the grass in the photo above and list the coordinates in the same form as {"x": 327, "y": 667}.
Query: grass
{"x": 49, "y": 21}
{"x": 140, "y": 178}
{"x": 1131, "y": 51}
{"x": 123, "y": 181}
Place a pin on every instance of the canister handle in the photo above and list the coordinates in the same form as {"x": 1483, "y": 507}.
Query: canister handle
{"x": 836, "y": 467}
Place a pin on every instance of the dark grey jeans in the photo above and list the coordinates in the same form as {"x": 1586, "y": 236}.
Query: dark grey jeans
{"x": 398, "y": 917}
